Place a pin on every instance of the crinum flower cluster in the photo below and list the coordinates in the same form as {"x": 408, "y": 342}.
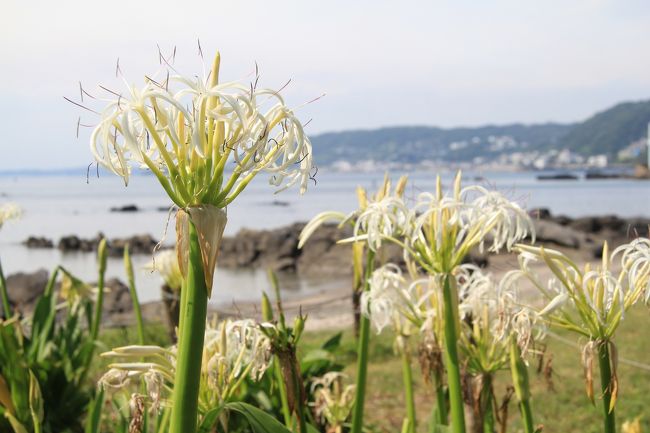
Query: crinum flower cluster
{"x": 443, "y": 228}
{"x": 9, "y": 211}
{"x": 333, "y": 400}
{"x": 233, "y": 351}
{"x": 389, "y": 303}
{"x": 166, "y": 264}
{"x": 490, "y": 316}
{"x": 186, "y": 129}
{"x": 590, "y": 301}
{"x": 379, "y": 217}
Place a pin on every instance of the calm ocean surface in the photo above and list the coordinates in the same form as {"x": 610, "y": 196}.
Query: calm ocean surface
{"x": 55, "y": 206}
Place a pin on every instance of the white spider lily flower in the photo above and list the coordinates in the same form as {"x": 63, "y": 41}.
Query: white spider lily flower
{"x": 246, "y": 349}
{"x": 9, "y": 211}
{"x": 490, "y": 317}
{"x": 635, "y": 260}
{"x": 591, "y": 302}
{"x": 166, "y": 264}
{"x": 443, "y": 229}
{"x": 186, "y": 130}
{"x": 380, "y": 220}
{"x": 333, "y": 401}
{"x": 232, "y": 351}
{"x": 379, "y": 217}
{"x": 388, "y": 301}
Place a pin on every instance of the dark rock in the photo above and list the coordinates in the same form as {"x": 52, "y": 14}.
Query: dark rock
{"x": 138, "y": 244}
{"x": 117, "y": 298}
{"x": 125, "y": 208}
{"x": 553, "y": 233}
{"x": 23, "y": 289}
{"x": 38, "y": 242}
{"x": 75, "y": 243}
{"x": 597, "y": 224}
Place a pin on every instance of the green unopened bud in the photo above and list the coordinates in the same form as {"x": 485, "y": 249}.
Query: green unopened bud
{"x": 128, "y": 264}
{"x": 519, "y": 372}
{"x": 35, "y": 399}
{"x": 102, "y": 255}
{"x": 267, "y": 309}
{"x": 298, "y": 326}
{"x": 401, "y": 186}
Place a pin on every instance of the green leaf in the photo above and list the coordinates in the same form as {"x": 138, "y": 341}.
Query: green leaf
{"x": 209, "y": 420}
{"x": 95, "y": 413}
{"x": 333, "y": 342}
{"x": 15, "y": 424}
{"x": 260, "y": 421}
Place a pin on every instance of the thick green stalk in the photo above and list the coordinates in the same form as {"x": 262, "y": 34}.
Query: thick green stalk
{"x": 450, "y": 298}
{"x": 487, "y": 404}
{"x": 609, "y": 418}
{"x": 194, "y": 304}
{"x": 6, "y": 308}
{"x": 519, "y": 372}
{"x": 300, "y": 410}
{"x": 128, "y": 266}
{"x": 286, "y": 412}
{"x": 407, "y": 376}
{"x": 362, "y": 360}
{"x": 441, "y": 398}
{"x": 526, "y": 416}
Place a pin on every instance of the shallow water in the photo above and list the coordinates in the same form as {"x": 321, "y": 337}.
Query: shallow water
{"x": 55, "y": 206}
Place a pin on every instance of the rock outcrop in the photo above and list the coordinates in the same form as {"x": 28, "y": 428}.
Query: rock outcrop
{"x": 24, "y": 289}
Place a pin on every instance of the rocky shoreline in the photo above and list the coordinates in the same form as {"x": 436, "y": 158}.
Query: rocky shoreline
{"x": 321, "y": 256}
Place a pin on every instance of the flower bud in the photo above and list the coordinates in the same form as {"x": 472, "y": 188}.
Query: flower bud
{"x": 35, "y": 398}
{"x": 267, "y": 309}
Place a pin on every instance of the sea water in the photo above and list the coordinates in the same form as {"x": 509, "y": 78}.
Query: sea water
{"x": 55, "y": 206}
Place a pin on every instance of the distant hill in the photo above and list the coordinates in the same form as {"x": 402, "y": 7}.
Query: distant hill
{"x": 604, "y": 133}
{"x": 611, "y": 130}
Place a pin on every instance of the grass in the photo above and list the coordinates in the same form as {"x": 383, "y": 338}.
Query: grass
{"x": 565, "y": 408}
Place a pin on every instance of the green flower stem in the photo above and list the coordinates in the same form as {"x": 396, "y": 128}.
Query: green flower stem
{"x": 519, "y": 372}
{"x": 606, "y": 386}
{"x": 300, "y": 410}
{"x": 102, "y": 257}
{"x": 267, "y": 316}
{"x": 6, "y": 308}
{"x": 441, "y": 398}
{"x": 488, "y": 404}
{"x": 450, "y": 298}
{"x": 194, "y": 305}
{"x": 407, "y": 376}
{"x": 128, "y": 266}
{"x": 526, "y": 416}
{"x": 362, "y": 353}
{"x": 286, "y": 412}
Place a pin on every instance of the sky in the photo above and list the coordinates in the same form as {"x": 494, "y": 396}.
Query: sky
{"x": 380, "y": 63}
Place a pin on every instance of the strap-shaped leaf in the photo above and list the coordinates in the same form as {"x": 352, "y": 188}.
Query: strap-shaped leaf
{"x": 260, "y": 421}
